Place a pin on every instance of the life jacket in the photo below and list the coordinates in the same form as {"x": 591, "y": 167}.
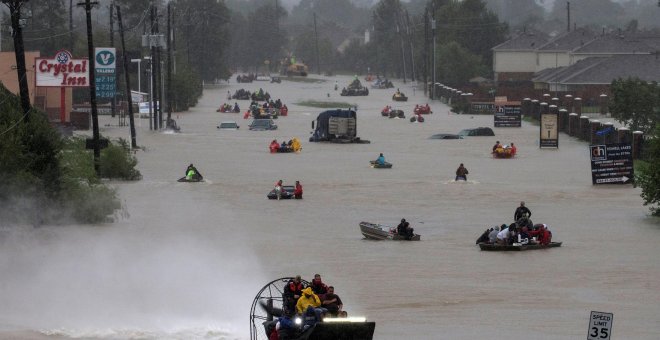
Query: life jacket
{"x": 295, "y": 288}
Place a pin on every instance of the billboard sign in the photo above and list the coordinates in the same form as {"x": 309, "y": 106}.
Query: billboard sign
{"x": 62, "y": 71}
{"x": 507, "y": 115}
{"x": 479, "y": 108}
{"x": 611, "y": 163}
{"x": 105, "y": 61}
{"x": 549, "y": 133}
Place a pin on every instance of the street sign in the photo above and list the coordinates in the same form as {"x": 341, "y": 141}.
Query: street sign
{"x": 507, "y": 115}
{"x": 600, "y": 326}
{"x": 105, "y": 61}
{"x": 611, "y": 163}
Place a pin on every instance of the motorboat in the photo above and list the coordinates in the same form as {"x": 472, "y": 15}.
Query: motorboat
{"x": 374, "y": 231}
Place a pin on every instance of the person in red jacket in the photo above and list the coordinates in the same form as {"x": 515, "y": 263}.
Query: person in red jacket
{"x": 274, "y": 146}
{"x": 298, "y": 191}
{"x": 544, "y": 235}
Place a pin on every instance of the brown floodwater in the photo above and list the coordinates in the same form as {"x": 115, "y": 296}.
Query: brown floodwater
{"x": 184, "y": 261}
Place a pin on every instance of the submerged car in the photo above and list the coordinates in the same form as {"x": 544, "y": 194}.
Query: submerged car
{"x": 228, "y": 125}
{"x": 480, "y": 131}
{"x": 446, "y": 136}
{"x": 262, "y": 124}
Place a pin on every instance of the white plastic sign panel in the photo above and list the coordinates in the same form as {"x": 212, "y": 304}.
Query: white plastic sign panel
{"x": 600, "y": 326}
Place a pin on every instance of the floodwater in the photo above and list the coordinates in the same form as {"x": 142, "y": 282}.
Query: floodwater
{"x": 184, "y": 261}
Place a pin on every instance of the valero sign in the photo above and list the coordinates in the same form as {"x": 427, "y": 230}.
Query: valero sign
{"x": 62, "y": 71}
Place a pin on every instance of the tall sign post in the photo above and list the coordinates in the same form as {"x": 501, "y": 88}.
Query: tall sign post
{"x": 105, "y": 62}
{"x": 611, "y": 163}
{"x": 62, "y": 71}
{"x": 548, "y": 132}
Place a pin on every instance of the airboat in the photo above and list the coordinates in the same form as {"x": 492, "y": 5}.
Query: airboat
{"x": 268, "y": 305}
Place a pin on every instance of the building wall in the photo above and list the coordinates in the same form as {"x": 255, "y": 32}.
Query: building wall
{"x": 46, "y": 99}
{"x": 510, "y": 61}
{"x": 552, "y": 60}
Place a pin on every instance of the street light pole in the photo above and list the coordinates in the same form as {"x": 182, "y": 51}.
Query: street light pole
{"x": 433, "y": 28}
{"x": 138, "y": 61}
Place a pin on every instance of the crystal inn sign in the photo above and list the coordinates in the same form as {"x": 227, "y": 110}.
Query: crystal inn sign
{"x": 62, "y": 71}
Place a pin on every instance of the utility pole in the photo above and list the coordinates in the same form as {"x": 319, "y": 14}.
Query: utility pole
{"x": 403, "y": 53}
{"x": 113, "y": 106}
{"x": 433, "y": 29}
{"x": 129, "y": 98}
{"x": 159, "y": 79}
{"x": 153, "y": 73}
{"x": 426, "y": 50}
{"x": 568, "y": 15}
{"x": 412, "y": 49}
{"x": 71, "y": 40}
{"x": 316, "y": 36}
{"x": 92, "y": 84}
{"x": 169, "y": 63}
{"x": 17, "y": 34}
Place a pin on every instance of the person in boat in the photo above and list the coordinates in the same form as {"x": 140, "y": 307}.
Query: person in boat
{"x": 192, "y": 173}
{"x": 292, "y": 292}
{"x": 522, "y": 211}
{"x": 236, "y": 108}
{"x": 307, "y": 299}
{"x": 285, "y": 327}
{"x": 401, "y": 228}
{"x": 461, "y": 173}
{"x": 387, "y": 109}
{"x": 274, "y": 146}
{"x": 484, "y": 236}
{"x": 542, "y": 233}
{"x": 513, "y": 150}
{"x": 524, "y": 237}
{"x": 311, "y": 317}
{"x": 332, "y": 302}
{"x": 278, "y": 189}
{"x": 497, "y": 146}
{"x": 298, "y": 192}
{"x": 295, "y": 145}
{"x": 284, "y": 147}
{"x": 410, "y": 232}
{"x": 503, "y": 236}
{"x": 381, "y": 159}
{"x": 318, "y": 287}
{"x": 492, "y": 237}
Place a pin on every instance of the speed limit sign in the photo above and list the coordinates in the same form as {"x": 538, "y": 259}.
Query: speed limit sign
{"x": 600, "y": 325}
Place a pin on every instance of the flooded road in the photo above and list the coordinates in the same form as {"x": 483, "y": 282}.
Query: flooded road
{"x": 186, "y": 259}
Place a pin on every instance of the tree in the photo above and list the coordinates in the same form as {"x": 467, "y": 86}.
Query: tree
{"x": 636, "y": 104}
{"x": 266, "y": 38}
{"x": 472, "y": 25}
{"x": 305, "y": 50}
{"x": 342, "y": 12}
{"x": 590, "y": 12}
{"x": 386, "y": 39}
{"x": 203, "y": 36}
{"x": 49, "y": 20}
{"x": 456, "y": 65}
{"x": 648, "y": 174}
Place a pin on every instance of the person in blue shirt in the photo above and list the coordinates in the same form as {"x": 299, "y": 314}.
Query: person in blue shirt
{"x": 381, "y": 159}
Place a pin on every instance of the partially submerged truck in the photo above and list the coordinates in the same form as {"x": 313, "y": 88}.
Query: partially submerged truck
{"x": 337, "y": 126}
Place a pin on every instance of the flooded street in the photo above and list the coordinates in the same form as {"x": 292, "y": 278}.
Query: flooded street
{"x": 185, "y": 260}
